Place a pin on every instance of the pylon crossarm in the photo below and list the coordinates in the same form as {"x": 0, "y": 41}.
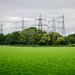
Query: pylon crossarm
{"x": 45, "y": 25}
{"x": 49, "y": 22}
{"x": 36, "y": 19}
{"x": 58, "y": 22}
{"x": 44, "y": 19}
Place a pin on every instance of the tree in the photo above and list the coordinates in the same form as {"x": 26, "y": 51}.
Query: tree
{"x": 60, "y": 41}
{"x": 51, "y": 34}
{"x": 2, "y": 39}
{"x": 31, "y": 36}
{"x": 45, "y": 40}
{"x": 39, "y": 36}
{"x": 28, "y": 36}
{"x": 7, "y": 39}
{"x": 49, "y": 38}
{"x": 71, "y": 38}
{"x": 55, "y": 36}
{"x": 15, "y": 38}
{"x": 66, "y": 40}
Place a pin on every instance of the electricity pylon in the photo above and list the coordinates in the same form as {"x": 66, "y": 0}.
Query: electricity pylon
{"x": 1, "y": 29}
{"x": 63, "y": 25}
{"x": 53, "y": 24}
{"x": 22, "y": 22}
{"x": 40, "y": 25}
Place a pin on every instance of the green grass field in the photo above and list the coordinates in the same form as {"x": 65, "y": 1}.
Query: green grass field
{"x": 37, "y": 60}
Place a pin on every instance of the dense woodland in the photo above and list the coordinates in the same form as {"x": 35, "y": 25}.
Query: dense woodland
{"x": 33, "y": 36}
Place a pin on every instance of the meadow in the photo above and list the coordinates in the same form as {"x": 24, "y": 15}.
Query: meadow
{"x": 37, "y": 60}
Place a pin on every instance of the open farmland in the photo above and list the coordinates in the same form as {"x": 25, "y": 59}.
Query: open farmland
{"x": 37, "y": 60}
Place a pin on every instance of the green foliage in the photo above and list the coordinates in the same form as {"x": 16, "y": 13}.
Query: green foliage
{"x": 71, "y": 38}
{"x": 14, "y": 38}
{"x": 60, "y": 41}
{"x": 66, "y": 40}
{"x": 2, "y": 38}
{"x": 49, "y": 38}
{"x": 7, "y": 40}
{"x": 55, "y": 37}
{"x": 37, "y": 60}
{"x": 28, "y": 36}
{"x": 45, "y": 40}
{"x": 33, "y": 36}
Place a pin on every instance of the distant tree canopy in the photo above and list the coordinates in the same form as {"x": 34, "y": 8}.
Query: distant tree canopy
{"x": 71, "y": 38}
{"x": 2, "y": 38}
{"x": 60, "y": 41}
{"x": 33, "y": 36}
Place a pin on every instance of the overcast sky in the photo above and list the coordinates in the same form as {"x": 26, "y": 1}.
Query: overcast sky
{"x": 13, "y": 10}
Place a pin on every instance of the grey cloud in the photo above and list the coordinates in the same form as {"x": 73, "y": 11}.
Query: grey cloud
{"x": 30, "y": 9}
{"x": 39, "y": 4}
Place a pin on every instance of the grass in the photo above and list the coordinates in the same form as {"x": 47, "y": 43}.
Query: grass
{"x": 37, "y": 60}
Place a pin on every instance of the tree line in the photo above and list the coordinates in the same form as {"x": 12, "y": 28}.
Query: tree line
{"x": 33, "y": 36}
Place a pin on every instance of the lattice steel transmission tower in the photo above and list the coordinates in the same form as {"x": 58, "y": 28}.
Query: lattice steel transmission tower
{"x": 1, "y": 27}
{"x": 63, "y": 24}
{"x": 22, "y": 22}
{"x": 40, "y": 25}
{"x": 53, "y": 24}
